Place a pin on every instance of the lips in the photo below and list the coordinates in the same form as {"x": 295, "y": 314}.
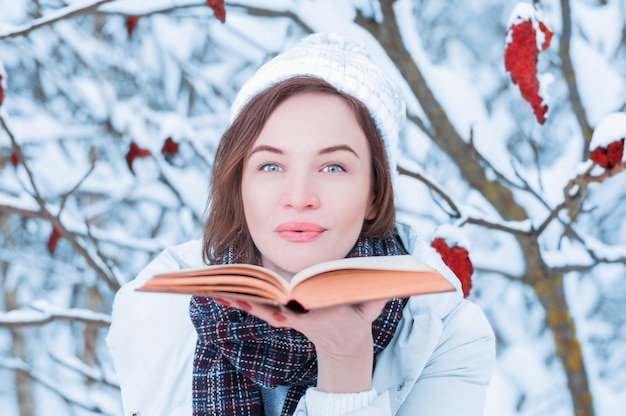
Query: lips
{"x": 300, "y": 232}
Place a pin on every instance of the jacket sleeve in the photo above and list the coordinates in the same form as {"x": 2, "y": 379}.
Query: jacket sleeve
{"x": 370, "y": 403}
{"x": 453, "y": 382}
{"x": 151, "y": 341}
{"x": 456, "y": 376}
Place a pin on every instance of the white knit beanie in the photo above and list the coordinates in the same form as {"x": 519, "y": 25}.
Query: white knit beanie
{"x": 345, "y": 65}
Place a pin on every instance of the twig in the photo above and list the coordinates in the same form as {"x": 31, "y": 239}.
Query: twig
{"x": 587, "y": 268}
{"x": 453, "y": 206}
{"x": 108, "y": 277}
{"x": 419, "y": 123}
{"x": 483, "y": 161}
{"x": 66, "y": 195}
{"x": 497, "y": 226}
{"x": 570, "y": 193}
{"x": 260, "y": 12}
{"x": 41, "y": 316}
{"x": 434, "y": 188}
{"x": 20, "y": 366}
{"x": 17, "y": 150}
{"x": 569, "y": 75}
{"x": 61, "y": 14}
{"x": 92, "y": 374}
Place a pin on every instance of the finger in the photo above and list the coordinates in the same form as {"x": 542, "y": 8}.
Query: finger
{"x": 273, "y": 315}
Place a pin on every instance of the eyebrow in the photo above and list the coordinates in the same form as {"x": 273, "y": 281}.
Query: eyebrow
{"x": 337, "y": 148}
{"x": 266, "y": 148}
{"x": 324, "y": 151}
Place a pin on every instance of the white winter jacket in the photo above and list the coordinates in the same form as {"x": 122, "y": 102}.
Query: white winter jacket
{"x": 438, "y": 363}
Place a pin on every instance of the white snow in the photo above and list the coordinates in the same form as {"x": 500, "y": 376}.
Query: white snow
{"x": 611, "y": 127}
{"x": 108, "y": 90}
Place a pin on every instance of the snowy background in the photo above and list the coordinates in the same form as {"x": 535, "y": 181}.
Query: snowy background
{"x": 79, "y": 216}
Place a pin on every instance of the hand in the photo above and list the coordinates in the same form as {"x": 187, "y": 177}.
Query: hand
{"x": 342, "y": 336}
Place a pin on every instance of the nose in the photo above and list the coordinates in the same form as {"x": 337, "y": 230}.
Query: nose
{"x": 300, "y": 193}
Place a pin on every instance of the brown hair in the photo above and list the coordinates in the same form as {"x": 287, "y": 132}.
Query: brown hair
{"x": 225, "y": 226}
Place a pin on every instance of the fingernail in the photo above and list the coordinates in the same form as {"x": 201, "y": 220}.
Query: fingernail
{"x": 244, "y": 306}
{"x": 279, "y": 317}
{"x": 222, "y": 302}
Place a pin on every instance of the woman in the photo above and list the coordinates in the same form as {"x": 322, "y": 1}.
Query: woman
{"x": 302, "y": 175}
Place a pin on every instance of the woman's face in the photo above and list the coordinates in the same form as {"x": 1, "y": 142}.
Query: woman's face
{"x": 306, "y": 185}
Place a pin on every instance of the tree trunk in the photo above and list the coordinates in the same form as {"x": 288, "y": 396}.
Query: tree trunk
{"x": 23, "y": 383}
{"x": 547, "y": 285}
{"x": 549, "y": 289}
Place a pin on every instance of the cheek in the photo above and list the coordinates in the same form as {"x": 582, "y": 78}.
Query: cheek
{"x": 257, "y": 207}
{"x": 247, "y": 189}
{"x": 249, "y": 207}
{"x": 247, "y": 201}
{"x": 355, "y": 211}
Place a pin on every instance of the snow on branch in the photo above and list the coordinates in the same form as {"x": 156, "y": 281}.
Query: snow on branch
{"x": 44, "y": 313}
{"x": 511, "y": 227}
{"x": 93, "y": 374}
{"x": 431, "y": 185}
{"x": 66, "y": 393}
{"x": 574, "y": 187}
{"x": 264, "y": 12}
{"x": 64, "y": 13}
{"x": 97, "y": 263}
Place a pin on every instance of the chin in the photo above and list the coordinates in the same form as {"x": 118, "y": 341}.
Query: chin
{"x": 311, "y": 261}
{"x": 297, "y": 266}
{"x": 295, "y": 259}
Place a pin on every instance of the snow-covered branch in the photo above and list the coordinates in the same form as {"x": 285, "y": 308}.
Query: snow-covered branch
{"x": 17, "y": 151}
{"x": 266, "y": 12}
{"x": 573, "y": 188}
{"x": 456, "y": 212}
{"x": 61, "y": 14}
{"x": 86, "y": 77}
{"x": 570, "y": 75}
{"x": 43, "y": 314}
{"x": 50, "y": 383}
{"x": 99, "y": 265}
{"x": 91, "y": 373}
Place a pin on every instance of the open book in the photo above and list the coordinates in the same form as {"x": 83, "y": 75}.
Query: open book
{"x": 346, "y": 281}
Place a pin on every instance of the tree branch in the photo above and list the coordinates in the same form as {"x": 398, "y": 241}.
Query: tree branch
{"x": 573, "y": 187}
{"x": 19, "y": 318}
{"x": 66, "y": 195}
{"x": 447, "y": 138}
{"x": 61, "y": 14}
{"x": 454, "y": 207}
{"x": 20, "y": 366}
{"x": 108, "y": 277}
{"x": 498, "y": 226}
{"x": 570, "y": 77}
{"x": 260, "y": 12}
{"x": 434, "y": 188}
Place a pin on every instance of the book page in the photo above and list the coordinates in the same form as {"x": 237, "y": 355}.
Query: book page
{"x": 228, "y": 272}
{"x": 215, "y": 285}
{"x": 405, "y": 262}
{"x": 351, "y": 286}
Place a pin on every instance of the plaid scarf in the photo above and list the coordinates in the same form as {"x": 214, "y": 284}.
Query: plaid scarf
{"x": 237, "y": 353}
